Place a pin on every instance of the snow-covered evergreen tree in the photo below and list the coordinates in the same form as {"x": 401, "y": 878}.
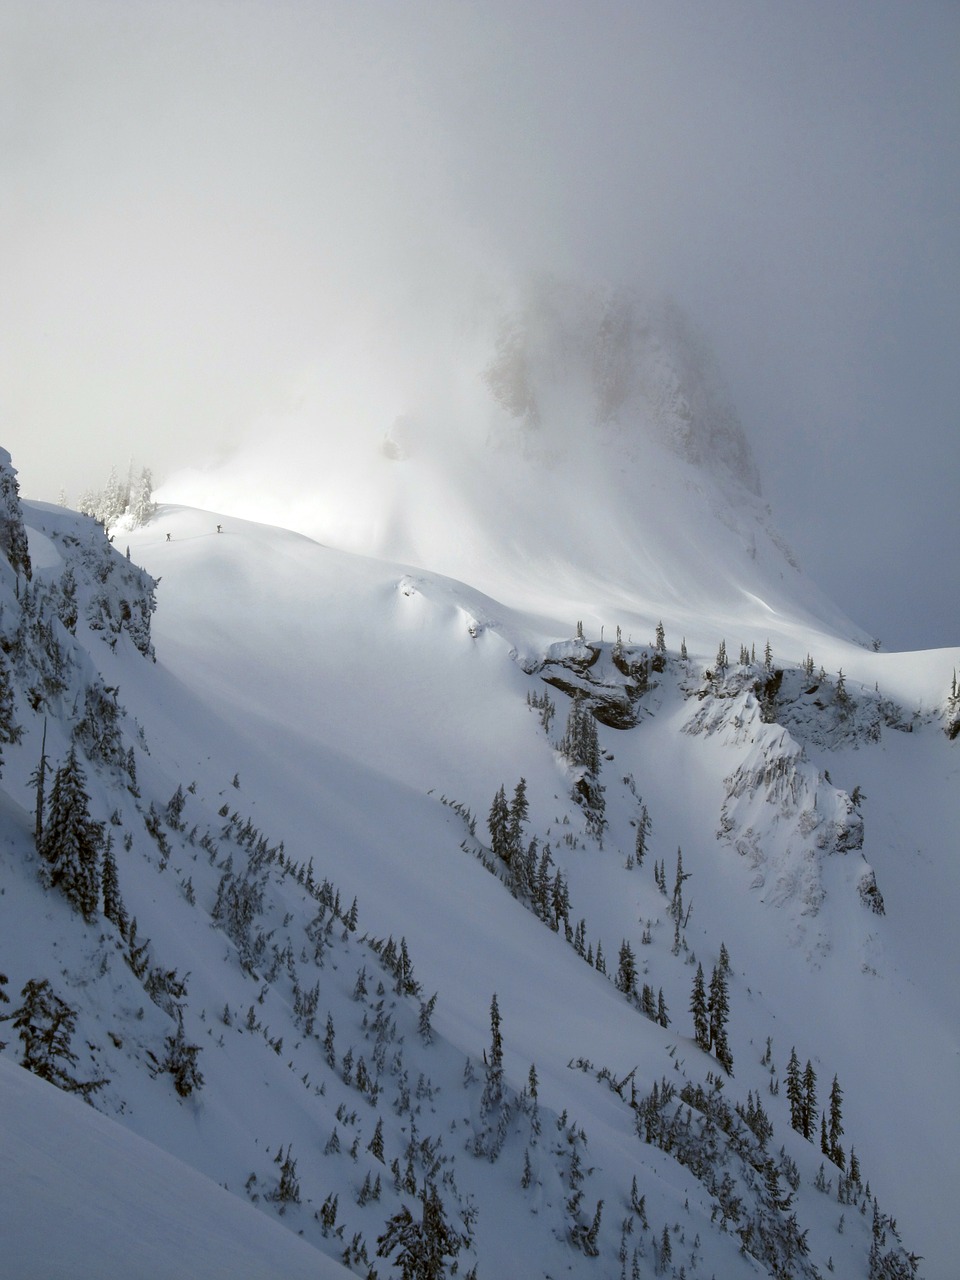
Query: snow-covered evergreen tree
{"x": 113, "y": 907}
{"x": 579, "y": 742}
{"x": 142, "y": 507}
{"x": 698, "y": 1007}
{"x": 13, "y": 535}
{"x": 626, "y": 979}
{"x": 493, "y": 1089}
{"x": 420, "y": 1247}
{"x": 180, "y": 1060}
{"x": 835, "y": 1131}
{"x": 719, "y": 1011}
{"x": 809, "y": 1109}
{"x": 519, "y": 808}
{"x": 10, "y": 730}
{"x": 497, "y": 823}
{"x": 71, "y": 842}
{"x": 46, "y": 1025}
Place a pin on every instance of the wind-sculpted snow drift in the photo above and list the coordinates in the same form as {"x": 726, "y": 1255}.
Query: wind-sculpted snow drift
{"x": 297, "y": 975}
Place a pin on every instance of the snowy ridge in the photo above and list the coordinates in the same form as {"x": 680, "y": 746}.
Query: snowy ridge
{"x": 301, "y": 894}
{"x": 568, "y": 448}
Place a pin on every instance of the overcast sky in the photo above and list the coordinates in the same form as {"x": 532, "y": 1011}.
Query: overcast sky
{"x": 198, "y": 200}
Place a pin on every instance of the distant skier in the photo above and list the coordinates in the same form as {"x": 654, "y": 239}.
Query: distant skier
{"x": 219, "y": 528}
{"x": 168, "y": 537}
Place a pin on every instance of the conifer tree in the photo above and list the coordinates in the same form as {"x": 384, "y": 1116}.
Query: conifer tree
{"x": 795, "y": 1095}
{"x": 424, "y": 1027}
{"x": 809, "y": 1111}
{"x": 113, "y": 907}
{"x": 138, "y": 952}
{"x": 676, "y": 904}
{"x": 660, "y": 650}
{"x": 174, "y": 810}
{"x": 698, "y": 1007}
{"x": 643, "y": 835}
{"x": 142, "y": 506}
{"x": 13, "y": 534}
{"x": 836, "y": 1124}
{"x": 719, "y": 1010}
{"x": 517, "y": 816}
{"x": 38, "y": 780}
{"x": 406, "y": 984}
{"x": 543, "y": 884}
{"x": 626, "y": 980}
{"x": 10, "y": 731}
{"x": 288, "y": 1188}
{"x": 112, "y": 501}
{"x": 375, "y": 1146}
{"x": 180, "y": 1061}
{"x": 525, "y": 872}
{"x": 647, "y": 1002}
{"x": 46, "y": 1025}
{"x": 420, "y": 1248}
{"x": 132, "y": 786}
{"x": 559, "y": 901}
{"x": 580, "y": 743}
{"x": 493, "y": 1089}
{"x": 663, "y": 1016}
{"x": 497, "y": 823}
{"x": 842, "y": 695}
{"x": 71, "y": 841}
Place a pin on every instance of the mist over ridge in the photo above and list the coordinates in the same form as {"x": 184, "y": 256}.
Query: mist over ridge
{"x": 204, "y": 214}
{"x": 550, "y": 436}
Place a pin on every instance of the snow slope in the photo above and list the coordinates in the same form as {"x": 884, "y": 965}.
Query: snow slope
{"x": 428, "y": 704}
{"x": 338, "y": 724}
{"x": 82, "y": 1196}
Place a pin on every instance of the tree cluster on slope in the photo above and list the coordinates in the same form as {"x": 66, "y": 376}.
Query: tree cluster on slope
{"x": 131, "y": 498}
{"x": 711, "y": 1010}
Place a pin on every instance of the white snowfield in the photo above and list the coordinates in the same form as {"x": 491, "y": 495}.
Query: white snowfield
{"x": 360, "y": 699}
{"x": 84, "y": 1198}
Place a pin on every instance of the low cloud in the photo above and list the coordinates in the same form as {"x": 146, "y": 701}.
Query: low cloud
{"x": 218, "y": 221}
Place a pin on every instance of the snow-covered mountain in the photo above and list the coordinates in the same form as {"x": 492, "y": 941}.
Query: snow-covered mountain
{"x": 564, "y": 448}
{"x": 340, "y": 975}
